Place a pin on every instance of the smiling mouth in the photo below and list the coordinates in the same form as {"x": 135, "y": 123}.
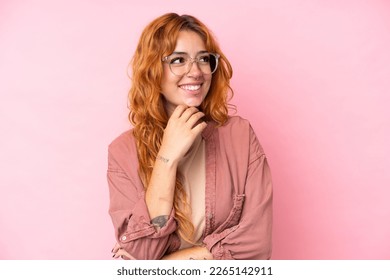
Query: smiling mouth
{"x": 190, "y": 87}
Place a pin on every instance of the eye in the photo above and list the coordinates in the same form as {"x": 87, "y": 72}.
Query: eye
{"x": 204, "y": 58}
{"x": 178, "y": 60}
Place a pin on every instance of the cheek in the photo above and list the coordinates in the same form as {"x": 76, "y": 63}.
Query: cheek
{"x": 168, "y": 82}
{"x": 208, "y": 83}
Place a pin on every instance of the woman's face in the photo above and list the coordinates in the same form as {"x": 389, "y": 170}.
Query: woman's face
{"x": 191, "y": 88}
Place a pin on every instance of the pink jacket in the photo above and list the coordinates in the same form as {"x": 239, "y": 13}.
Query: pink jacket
{"x": 238, "y": 197}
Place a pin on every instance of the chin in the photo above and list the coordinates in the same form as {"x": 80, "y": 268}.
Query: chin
{"x": 193, "y": 103}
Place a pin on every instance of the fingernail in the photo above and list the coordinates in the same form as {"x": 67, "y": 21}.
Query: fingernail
{"x": 113, "y": 255}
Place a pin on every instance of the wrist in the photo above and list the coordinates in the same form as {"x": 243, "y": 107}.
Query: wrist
{"x": 166, "y": 159}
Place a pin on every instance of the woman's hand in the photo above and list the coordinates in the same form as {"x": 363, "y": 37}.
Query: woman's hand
{"x": 183, "y": 127}
{"x": 192, "y": 253}
{"x": 120, "y": 253}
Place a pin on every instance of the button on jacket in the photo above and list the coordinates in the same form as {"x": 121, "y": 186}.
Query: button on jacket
{"x": 238, "y": 197}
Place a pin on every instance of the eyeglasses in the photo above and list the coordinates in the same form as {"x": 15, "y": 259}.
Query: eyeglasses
{"x": 181, "y": 63}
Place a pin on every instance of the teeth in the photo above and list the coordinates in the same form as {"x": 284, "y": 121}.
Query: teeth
{"x": 190, "y": 87}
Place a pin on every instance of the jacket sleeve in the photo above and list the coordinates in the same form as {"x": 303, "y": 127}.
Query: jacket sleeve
{"x": 130, "y": 216}
{"x": 251, "y": 237}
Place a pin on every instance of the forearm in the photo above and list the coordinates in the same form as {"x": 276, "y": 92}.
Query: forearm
{"x": 160, "y": 192}
{"x": 193, "y": 253}
{"x": 179, "y": 134}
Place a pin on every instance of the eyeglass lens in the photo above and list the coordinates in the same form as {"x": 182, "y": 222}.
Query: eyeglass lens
{"x": 181, "y": 64}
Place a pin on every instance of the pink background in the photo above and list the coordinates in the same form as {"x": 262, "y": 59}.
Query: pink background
{"x": 311, "y": 76}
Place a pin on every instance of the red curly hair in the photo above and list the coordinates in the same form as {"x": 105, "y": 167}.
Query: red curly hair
{"x": 147, "y": 113}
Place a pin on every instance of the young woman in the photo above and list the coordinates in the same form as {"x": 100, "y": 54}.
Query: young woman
{"x": 188, "y": 181}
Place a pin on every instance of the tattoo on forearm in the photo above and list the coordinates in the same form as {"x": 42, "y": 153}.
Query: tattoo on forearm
{"x": 163, "y": 159}
{"x": 159, "y": 221}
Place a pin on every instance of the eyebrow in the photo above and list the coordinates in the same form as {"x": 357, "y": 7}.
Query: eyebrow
{"x": 199, "y": 52}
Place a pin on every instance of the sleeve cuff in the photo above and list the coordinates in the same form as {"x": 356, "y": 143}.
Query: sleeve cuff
{"x": 139, "y": 225}
{"x": 213, "y": 243}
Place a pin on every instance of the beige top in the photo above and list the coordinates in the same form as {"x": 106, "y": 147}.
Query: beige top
{"x": 193, "y": 169}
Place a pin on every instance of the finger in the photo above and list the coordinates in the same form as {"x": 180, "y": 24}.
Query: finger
{"x": 116, "y": 248}
{"x": 127, "y": 255}
{"x": 179, "y": 111}
{"x": 195, "y": 118}
{"x": 118, "y": 254}
{"x": 188, "y": 113}
{"x": 122, "y": 253}
{"x": 199, "y": 128}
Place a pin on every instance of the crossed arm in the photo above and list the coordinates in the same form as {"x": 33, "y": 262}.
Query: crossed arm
{"x": 193, "y": 253}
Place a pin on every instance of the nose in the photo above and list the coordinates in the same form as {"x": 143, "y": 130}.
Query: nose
{"x": 193, "y": 69}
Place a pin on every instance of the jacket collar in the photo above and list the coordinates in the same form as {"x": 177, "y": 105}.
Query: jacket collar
{"x": 206, "y": 133}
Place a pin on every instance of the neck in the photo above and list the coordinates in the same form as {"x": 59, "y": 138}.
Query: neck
{"x": 169, "y": 108}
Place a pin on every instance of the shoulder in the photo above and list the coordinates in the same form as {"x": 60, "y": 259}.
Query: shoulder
{"x": 235, "y": 125}
{"x": 237, "y": 121}
{"x": 122, "y": 154}
{"x": 123, "y": 138}
{"x": 123, "y": 145}
{"x": 238, "y": 132}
